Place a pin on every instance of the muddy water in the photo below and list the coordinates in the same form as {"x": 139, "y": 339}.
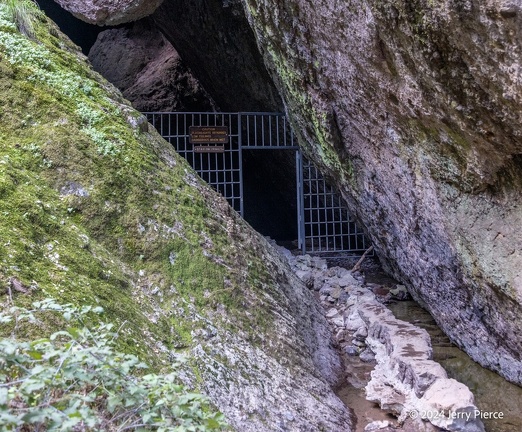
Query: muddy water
{"x": 492, "y": 393}
{"x": 353, "y": 395}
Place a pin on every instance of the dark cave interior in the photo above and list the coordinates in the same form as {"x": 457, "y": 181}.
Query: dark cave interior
{"x": 81, "y": 33}
{"x": 270, "y": 201}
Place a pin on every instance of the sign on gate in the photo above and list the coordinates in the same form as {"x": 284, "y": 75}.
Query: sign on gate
{"x": 209, "y": 149}
{"x": 213, "y": 144}
{"x": 208, "y": 135}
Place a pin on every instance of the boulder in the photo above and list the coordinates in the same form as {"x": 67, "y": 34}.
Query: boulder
{"x": 412, "y": 108}
{"x": 110, "y": 12}
{"x": 147, "y": 69}
{"x": 97, "y": 209}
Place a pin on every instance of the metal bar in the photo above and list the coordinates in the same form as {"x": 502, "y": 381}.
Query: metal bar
{"x": 277, "y": 131}
{"x": 301, "y": 243}
{"x": 324, "y": 225}
{"x": 284, "y": 131}
{"x": 248, "y": 127}
{"x": 240, "y": 155}
{"x": 249, "y": 147}
{"x": 262, "y": 130}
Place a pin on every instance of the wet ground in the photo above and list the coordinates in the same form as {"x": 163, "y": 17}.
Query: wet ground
{"x": 353, "y": 395}
{"x": 492, "y": 392}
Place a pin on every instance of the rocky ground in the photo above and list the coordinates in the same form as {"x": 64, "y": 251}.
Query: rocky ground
{"x": 388, "y": 358}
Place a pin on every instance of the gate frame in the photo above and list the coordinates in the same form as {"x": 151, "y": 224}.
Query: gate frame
{"x": 288, "y": 143}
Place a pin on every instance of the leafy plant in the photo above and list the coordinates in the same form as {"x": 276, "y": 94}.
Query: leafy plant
{"x": 76, "y": 381}
{"x": 23, "y": 13}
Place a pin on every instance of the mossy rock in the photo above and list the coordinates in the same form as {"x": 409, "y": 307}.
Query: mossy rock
{"x": 95, "y": 210}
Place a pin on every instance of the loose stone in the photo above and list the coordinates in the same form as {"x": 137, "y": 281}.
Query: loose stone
{"x": 376, "y": 425}
{"x": 351, "y": 351}
{"x": 367, "y": 356}
{"x": 332, "y": 313}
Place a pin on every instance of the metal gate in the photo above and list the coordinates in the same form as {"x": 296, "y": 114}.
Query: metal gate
{"x": 324, "y": 223}
{"x": 328, "y": 225}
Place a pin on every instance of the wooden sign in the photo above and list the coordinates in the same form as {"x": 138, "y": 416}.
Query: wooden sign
{"x": 209, "y": 149}
{"x": 208, "y": 134}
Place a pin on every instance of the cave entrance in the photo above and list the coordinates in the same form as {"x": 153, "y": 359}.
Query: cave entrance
{"x": 285, "y": 198}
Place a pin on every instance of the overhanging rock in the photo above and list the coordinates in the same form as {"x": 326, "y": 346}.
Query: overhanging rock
{"x": 413, "y": 108}
{"x": 110, "y": 12}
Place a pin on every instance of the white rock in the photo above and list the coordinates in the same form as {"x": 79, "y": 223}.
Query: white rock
{"x": 332, "y": 313}
{"x": 352, "y": 320}
{"x": 319, "y": 263}
{"x": 376, "y": 425}
{"x": 338, "y": 321}
{"x": 405, "y": 378}
{"x": 347, "y": 280}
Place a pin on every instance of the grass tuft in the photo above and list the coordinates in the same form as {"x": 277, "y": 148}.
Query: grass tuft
{"x": 23, "y": 13}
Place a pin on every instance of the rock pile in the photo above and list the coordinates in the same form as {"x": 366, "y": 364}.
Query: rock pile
{"x": 405, "y": 380}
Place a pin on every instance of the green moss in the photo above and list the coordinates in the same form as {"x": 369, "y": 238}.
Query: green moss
{"x": 93, "y": 211}
{"x": 451, "y": 148}
{"x": 324, "y": 149}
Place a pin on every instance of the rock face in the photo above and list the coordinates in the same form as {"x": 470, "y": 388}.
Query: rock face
{"x": 214, "y": 38}
{"x": 148, "y": 70}
{"x": 110, "y": 12}
{"x": 413, "y": 109}
{"x": 97, "y": 209}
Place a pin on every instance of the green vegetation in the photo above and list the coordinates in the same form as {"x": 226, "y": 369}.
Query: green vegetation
{"x": 76, "y": 380}
{"x": 320, "y": 127}
{"x": 23, "y": 14}
{"x": 95, "y": 211}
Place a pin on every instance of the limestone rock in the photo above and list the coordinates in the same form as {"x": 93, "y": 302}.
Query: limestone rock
{"x": 376, "y": 425}
{"x": 361, "y": 334}
{"x": 352, "y": 320}
{"x": 406, "y": 380}
{"x": 110, "y": 12}
{"x": 449, "y": 396}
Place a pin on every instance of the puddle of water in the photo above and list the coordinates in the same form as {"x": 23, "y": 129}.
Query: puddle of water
{"x": 492, "y": 392}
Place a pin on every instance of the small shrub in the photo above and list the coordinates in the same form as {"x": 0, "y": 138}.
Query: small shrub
{"x": 76, "y": 381}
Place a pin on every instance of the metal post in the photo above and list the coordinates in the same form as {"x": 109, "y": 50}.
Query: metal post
{"x": 240, "y": 155}
{"x": 301, "y": 243}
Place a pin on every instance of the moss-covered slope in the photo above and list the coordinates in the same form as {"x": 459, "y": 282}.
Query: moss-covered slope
{"x": 96, "y": 208}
